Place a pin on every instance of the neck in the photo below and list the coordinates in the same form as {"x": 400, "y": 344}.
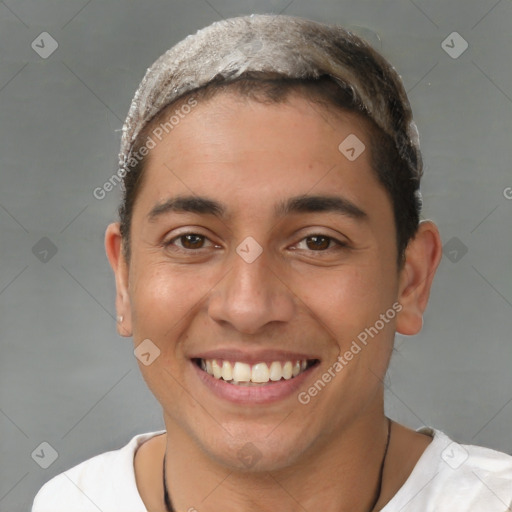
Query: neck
{"x": 341, "y": 474}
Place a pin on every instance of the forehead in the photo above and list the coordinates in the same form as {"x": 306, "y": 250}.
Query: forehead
{"x": 241, "y": 150}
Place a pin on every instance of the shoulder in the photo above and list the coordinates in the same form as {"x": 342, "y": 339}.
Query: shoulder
{"x": 455, "y": 477}
{"x": 104, "y": 482}
{"x": 482, "y": 475}
{"x": 464, "y": 459}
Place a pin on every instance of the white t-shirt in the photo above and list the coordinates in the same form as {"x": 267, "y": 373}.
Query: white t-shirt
{"x": 447, "y": 478}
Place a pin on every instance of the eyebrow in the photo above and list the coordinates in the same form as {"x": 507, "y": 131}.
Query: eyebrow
{"x": 292, "y": 205}
{"x": 313, "y": 204}
{"x": 192, "y": 204}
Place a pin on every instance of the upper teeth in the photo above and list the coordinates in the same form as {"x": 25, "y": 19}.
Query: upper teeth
{"x": 257, "y": 373}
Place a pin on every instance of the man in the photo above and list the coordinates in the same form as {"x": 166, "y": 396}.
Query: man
{"x": 268, "y": 249}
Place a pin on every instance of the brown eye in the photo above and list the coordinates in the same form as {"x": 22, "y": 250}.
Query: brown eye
{"x": 187, "y": 242}
{"x": 318, "y": 242}
{"x": 192, "y": 241}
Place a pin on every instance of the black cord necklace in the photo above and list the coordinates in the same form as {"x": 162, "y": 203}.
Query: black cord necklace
{"x": 381, "y": 471}
{"x": 170, "y": 508}
{"x": 167, "y": 499}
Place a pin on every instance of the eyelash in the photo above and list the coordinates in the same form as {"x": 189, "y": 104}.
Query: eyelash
{"x": 338, "y": 244}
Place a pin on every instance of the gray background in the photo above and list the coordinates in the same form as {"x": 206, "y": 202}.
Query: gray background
{"x": 68, "y": 379}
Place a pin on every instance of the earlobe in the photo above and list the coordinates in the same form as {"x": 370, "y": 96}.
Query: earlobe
{"x": 422, "y": 258}
{"x": 113, "y": 248}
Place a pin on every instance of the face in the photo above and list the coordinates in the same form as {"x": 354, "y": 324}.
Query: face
{"x": 235, "y": 258}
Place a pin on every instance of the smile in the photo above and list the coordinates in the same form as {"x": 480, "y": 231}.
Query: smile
{"x": 261, "y": 373}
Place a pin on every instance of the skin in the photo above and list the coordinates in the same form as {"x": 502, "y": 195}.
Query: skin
{"x": 325, "y": 455}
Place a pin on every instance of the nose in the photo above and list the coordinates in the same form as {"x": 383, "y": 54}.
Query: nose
{"x": 251, "y": 295}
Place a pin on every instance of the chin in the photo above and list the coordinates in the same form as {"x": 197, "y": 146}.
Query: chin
{"x": 256, "y": 451}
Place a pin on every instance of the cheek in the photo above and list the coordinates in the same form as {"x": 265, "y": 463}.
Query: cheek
{"x": 165, "y": 297}
{"x": 159, "y": 300}
{"x": 152, "y": 291}
{"x": 337, "y": 292}
{"x": 347, "y": 300}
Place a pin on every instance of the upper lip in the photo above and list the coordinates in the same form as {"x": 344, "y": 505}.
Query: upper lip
{"x": 253, "y": 356}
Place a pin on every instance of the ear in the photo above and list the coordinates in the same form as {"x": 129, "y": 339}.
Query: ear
{"x": 113, "y": 248}
{"x": 422, "y": 258}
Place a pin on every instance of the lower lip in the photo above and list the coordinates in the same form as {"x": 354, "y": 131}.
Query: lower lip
{"x": 251, "y": 395}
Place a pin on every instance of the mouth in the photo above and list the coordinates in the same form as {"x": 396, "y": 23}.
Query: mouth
{"x": 253, "y": 380}
{"x": 262, "y": 373}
